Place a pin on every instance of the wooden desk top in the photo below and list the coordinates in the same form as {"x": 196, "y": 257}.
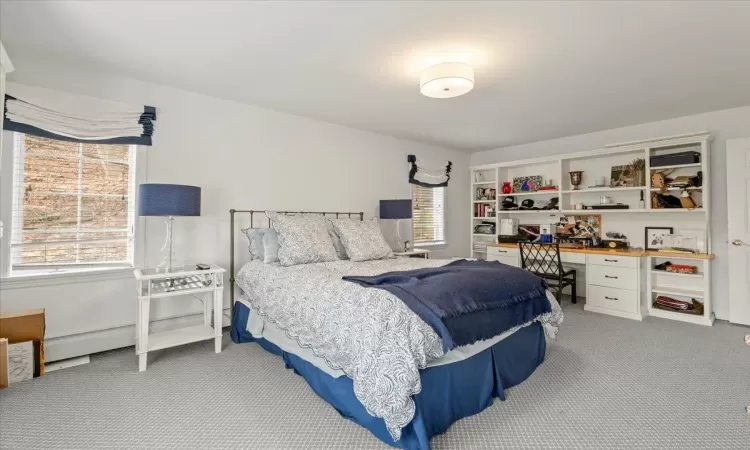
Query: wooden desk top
{"x": 629, "y": 252}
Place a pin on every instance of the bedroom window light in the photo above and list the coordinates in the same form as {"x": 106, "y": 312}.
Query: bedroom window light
{"x": 428, "y": 215}
{"x": 73, "y": 205}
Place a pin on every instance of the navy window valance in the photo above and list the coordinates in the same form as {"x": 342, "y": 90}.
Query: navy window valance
{"x": 84, "y": 120}
{"x": 428, "y": 178}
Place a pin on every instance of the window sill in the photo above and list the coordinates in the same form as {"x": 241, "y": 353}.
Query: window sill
{"x": 36, "y": 278}
{"x": 429, "y": 246}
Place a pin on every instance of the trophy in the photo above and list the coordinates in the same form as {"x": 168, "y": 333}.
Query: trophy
{"x": 575, "y": 178}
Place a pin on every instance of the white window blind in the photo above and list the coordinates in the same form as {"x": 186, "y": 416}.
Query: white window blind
{"x": 428, "y": 213}
{"x": 73, "y": 204}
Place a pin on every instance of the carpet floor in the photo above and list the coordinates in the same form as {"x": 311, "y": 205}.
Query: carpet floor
{"x": 606, "y": 383}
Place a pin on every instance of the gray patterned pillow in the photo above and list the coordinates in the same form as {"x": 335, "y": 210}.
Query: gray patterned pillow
{"x": 340, "y": 250}
{"x": 303, "y": 239}
{"x": 363, "y": 241}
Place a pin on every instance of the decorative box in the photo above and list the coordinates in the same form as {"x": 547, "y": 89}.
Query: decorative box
{"x": 678, "y": 268}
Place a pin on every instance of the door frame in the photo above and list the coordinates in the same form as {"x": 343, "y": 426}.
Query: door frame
{"x": 735, "y": 291}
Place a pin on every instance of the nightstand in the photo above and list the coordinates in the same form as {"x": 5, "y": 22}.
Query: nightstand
{"x": 206, "y": 285}
{"x": 415, "y": 253}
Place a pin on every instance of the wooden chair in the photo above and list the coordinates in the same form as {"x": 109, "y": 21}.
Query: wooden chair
{"x": 543, "y": 260}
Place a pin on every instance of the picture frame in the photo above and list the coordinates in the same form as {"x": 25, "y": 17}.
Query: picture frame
{"x": 654, "y": 237}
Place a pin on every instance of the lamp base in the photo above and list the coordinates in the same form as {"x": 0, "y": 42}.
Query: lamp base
{"x": 169, "y": 261}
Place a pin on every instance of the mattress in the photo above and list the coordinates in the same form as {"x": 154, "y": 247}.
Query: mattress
{"x": 261, "y": 328}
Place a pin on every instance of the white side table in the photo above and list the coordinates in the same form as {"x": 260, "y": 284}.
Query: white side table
{"x": 208, "y": 284}
{"x": 414, "y": 253}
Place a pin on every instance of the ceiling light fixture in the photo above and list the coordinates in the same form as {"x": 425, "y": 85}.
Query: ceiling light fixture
{"x": 446, "y": 80}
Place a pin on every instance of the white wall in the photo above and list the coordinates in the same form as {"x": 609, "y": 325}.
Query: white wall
{"x": 242, "y": 157}
{"x": 726, "y": 124}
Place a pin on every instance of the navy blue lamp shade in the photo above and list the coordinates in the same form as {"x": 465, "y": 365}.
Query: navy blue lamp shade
{"x": 169, "y": 200}
{"x": 395, "y": 209}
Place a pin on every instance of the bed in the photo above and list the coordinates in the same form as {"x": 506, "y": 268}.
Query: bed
{"x": 367, "y": 354}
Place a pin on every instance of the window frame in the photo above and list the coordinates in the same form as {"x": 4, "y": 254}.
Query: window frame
{"x": 442, "y": 243}
{"x": 14, "y": 171}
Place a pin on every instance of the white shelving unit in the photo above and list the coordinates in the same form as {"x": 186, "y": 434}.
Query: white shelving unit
{"x": 596, "y": 164}
{"x": 681, "y": 287}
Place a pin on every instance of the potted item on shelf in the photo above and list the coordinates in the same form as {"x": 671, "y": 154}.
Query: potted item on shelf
{"x": 507, "y": 188}
{"x": 576, "y": 177}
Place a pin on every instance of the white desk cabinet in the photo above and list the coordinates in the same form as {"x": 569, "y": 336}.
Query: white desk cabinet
{"x": 613, "y": 285}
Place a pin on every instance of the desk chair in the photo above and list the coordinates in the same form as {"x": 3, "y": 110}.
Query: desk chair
{"x": 543, "y": 260}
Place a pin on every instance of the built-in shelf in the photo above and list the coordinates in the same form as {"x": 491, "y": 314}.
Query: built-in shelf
{"x": 478, "y": 183}
{"x": 523, "y": 194}
{"x": 676, "y": 166}
{"x": 485, "y": 234}
{"x": 676, "y": 210}
{"x": 677, "y": 189}
{"x": 631, "y": 210}
{"x": 595, "y": 164}
{"x": 485, "y": 201}
{"x": 682, "y": 317}
{"x": 599, "y": 211}
{"x": 605, "y": 189}
{"x": 480, "y": 251}
{"x": 530, "y": 211}
{"x": 677, "y": 274}
{"x": 677, "y": 291}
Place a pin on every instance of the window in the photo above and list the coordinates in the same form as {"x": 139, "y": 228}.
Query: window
{"x": 428, "y": 211}
{"x": 73, "y": 204}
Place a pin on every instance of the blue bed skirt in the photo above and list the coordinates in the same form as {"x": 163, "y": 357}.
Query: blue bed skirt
{"x": 449, "y": 393}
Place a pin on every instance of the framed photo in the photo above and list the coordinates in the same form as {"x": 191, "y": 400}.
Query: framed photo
{"x": 655, "y": 237}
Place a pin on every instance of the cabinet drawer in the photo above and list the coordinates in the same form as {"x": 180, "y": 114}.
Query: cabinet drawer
{"x": 502, "y": 251}
{"x": 572, "y": 258}
{"x": 614, "y": 260}
{"x": 615, "y": 277}
{"x": 509, "y": 260}
{"x": 610, "y": 298}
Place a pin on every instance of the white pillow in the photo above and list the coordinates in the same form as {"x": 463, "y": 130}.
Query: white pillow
{"x": 303, "y": 239}
{"x": 363, "y": 240}
{"x": 255, "y": 239}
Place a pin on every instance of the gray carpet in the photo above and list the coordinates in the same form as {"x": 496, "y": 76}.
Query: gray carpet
{"x": 606, "y": 383}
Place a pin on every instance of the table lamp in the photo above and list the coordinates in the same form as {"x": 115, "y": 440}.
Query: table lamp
{"x": 396, "y": 209}
{"x": 168, "y": 200}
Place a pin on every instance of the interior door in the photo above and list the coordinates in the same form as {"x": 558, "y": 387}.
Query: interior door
{"x": 738, "y": 207}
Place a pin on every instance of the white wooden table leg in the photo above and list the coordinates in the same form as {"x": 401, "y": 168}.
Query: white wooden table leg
{"x": 207, "y": 304}
{"x": 218, "y": 300}
{"x": 145, "y": 305}
{"x": 138, "y": 320}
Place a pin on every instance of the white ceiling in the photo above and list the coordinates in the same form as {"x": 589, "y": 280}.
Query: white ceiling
{"x": 543, "y": 70}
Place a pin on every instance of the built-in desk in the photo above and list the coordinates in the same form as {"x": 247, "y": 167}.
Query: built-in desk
{"x": 618, "y": 283}
{"x": 615, "y": 282}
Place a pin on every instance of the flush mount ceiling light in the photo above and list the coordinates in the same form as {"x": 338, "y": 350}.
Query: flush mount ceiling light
{"x": 446, "y": 80}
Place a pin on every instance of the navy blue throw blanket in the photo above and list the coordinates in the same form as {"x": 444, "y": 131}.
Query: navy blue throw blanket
{"x": 466, "y": 301}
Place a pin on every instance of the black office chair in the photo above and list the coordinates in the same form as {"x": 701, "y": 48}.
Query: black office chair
{"x": 543, "y": 260}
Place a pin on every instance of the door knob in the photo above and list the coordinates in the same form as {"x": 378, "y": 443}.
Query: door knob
{"x": 737, "y": 242}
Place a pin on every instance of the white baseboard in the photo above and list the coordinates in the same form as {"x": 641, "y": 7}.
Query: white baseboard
{"x": 66, "y": 347}
{"x": 66, "y": 363}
